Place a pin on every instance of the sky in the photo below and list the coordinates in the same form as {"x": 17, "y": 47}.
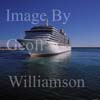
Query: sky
{"x": 82, "y": 27}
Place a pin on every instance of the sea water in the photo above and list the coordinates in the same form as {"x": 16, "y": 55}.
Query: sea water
{"x": 80, "y": 63}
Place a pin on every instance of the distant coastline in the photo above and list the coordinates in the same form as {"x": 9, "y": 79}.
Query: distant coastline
{"x": 86, "y": 47}
{"x": 13, "y": 48}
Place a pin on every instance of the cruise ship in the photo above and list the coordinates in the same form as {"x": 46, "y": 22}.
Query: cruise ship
{"x": 45, "y": 40}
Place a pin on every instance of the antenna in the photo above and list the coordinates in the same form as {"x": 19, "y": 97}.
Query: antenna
{"x": 46, "y": 22}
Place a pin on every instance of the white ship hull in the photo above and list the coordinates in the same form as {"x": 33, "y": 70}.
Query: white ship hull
{"x": 38, "y": 47}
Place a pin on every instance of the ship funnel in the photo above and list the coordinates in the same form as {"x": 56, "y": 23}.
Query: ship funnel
{"x": 61, "y": 31}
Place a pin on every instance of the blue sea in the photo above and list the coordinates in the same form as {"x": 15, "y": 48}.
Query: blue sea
{"x": 80, "y": 63}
